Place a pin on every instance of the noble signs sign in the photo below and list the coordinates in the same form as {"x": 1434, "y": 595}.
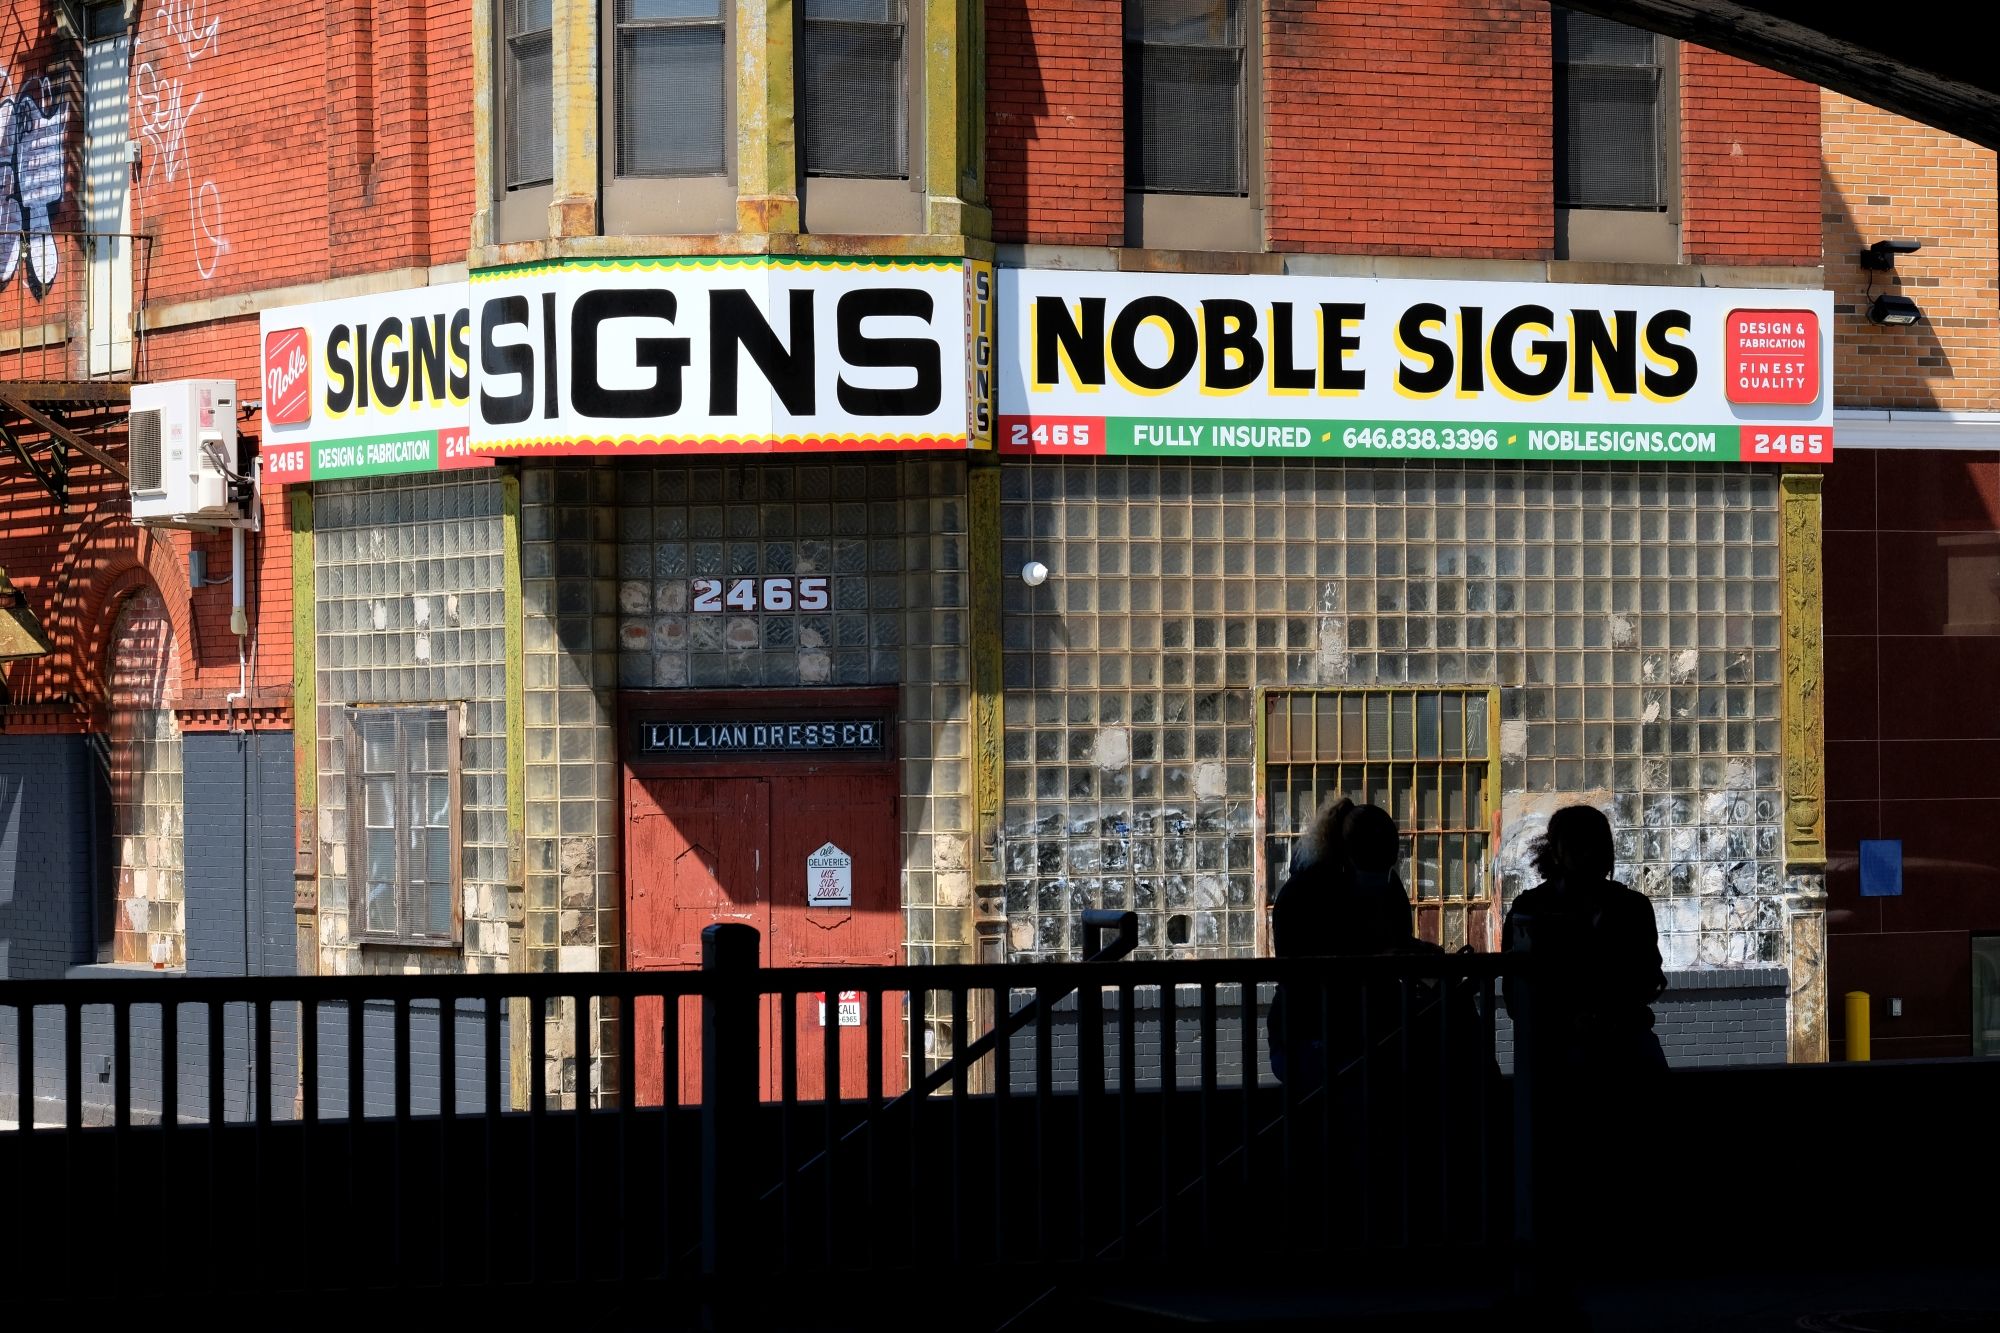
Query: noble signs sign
{"x": 829, "y": 878}
{"x": 1171, "y": 365}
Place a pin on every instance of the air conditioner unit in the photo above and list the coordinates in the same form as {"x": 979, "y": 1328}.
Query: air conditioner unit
{"x": 182, "y": 456}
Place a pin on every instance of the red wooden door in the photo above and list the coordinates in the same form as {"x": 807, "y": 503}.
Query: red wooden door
{"x": 856, "y": 813}
{"x": 695, "y": 855}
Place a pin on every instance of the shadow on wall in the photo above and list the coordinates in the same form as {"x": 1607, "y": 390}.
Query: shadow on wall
{"x": 1882, "y": 366}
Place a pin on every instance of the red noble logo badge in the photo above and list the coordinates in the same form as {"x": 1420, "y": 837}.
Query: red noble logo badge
{"x": 1772, "y": 356}
{"x": 287, "y": 378}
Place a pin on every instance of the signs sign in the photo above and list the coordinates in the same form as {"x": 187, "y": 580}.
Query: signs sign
{"x": 731, "y": 739}
{"x": 829, "y": 878}
{"x": 753, "y": 354}
{"x": 368, "y": 386}
{"x": 1162, "y": 364}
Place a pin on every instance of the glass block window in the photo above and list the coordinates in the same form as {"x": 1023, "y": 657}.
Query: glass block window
{"x": 1425, "y": 756}
{"x": 1628, "y": 614}
{"x": 1185, "y": 96}
{"x": 526, "y": 94}
{"x": 1610, "y": 131}
{"x": 669, "y": 91}
{"x": 144, "y": 752}
{"x": 854, "y": 94}
{"x": 410, "y": 612}
{"x": 404, "y": 790}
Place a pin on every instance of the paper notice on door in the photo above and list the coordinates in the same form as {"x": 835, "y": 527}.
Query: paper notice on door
{"x": 829, "y": 878}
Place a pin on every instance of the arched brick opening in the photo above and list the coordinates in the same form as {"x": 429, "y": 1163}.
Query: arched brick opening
{"x": 142, "y": 673}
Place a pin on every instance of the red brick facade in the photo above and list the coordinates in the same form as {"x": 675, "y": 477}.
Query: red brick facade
{"x": 1749, "y": 163}
{"x": 1416, "y": 127}
{"x": 279, "y": 146}
{"x": 1398, "y": 127}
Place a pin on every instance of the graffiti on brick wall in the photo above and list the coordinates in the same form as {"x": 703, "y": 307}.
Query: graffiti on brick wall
{"x": 33, "y": 179}
{"x": 170, "y": 92}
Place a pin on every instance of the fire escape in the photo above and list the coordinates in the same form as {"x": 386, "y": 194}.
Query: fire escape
{"x": 70, "y": 346}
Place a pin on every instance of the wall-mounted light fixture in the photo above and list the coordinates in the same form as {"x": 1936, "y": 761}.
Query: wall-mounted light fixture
{"x": 1881, "y": 256}
{"x": 1896, "y": 310}
{"x": 1034, "y": 573}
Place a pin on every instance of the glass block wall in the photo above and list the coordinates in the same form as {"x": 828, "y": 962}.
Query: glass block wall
{"x": 892, "y": 537}
{"x": 408, "y": 595}
{"x": 1629, "y": 615}
{"x": 144, "y": 754}
{"x": 608, "y": 552}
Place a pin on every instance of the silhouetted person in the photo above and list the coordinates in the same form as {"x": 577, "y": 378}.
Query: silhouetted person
{"x": 1597, "y": 949}
{"x": 1596, "y": 955}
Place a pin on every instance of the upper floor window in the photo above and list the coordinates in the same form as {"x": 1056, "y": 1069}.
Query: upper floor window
{"x": 1185, "y": 97}
{"x": 855, "y": 94}
{"x": 672, "y": 105}
{"x": 527, "y": 110}
{"x": 1611, "y": 120}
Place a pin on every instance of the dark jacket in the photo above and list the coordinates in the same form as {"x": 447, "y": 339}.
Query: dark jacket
{"x": 1323, "y": 912}
{"x": 1598, "y": 949}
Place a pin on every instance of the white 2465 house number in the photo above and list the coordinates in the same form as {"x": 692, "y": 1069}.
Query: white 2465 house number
{"x": 775, "y": 594}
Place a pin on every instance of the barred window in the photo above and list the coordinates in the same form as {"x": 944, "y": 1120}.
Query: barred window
{"x": 854, "y": 97}
{"x": 1425, "y": 756}
{"x": 669, "y": 86}
{"x": 1609, "y": 116}
{"x": 1185, "y": 97}
{"x": 527, "y": 109}
{"x": 403, "y": 823}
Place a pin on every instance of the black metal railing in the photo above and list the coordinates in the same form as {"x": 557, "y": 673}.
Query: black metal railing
{"x": 70, "y": 305}
{"x": 448, "y": 1130}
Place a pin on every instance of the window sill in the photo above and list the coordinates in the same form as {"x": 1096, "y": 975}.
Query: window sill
{"x": 1193, "y": 222}
{"x": 423, "y": 946}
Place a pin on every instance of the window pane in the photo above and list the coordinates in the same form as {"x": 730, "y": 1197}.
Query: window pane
{"x": 655, "y": 10}
{"x": 382, "y": 856}
{"x": 854, "y": 97}
{"x": 437, "y": 882}
{"x": 439, "y": 815}
{"x": 670, "y": 102}
{"x": 1184, "y": 119}
{"x": 1427, "y": 726}
{"x": 1183, "y": 22}
{"x": 1608, "y": 129}
{"x": 530, "y": 113}
{"x": 381, "y": 913}
{"x": 378, "y": 744}
{"x": 1612, "y": 155}
{"x": 856, "y": 11}
{"x": 437, "y": 745}
{"x": 379, "y": 794}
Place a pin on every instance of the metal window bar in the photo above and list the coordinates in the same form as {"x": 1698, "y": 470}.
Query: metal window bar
{"x": 71, "y": 303}
{"x": 1426, "y": 756}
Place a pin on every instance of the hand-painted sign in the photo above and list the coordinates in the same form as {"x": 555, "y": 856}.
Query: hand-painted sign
{"x": 730, "y": 355}
{"x": 368, "y": 386}
{"x": 728, "y": 739}
{"x": 1289, "y": 367}
{"x": 829, "y": 878}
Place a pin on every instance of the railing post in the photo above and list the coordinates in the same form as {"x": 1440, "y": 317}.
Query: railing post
{"x": 729, "y": 1062}
{"x": 1529, "y": 1168}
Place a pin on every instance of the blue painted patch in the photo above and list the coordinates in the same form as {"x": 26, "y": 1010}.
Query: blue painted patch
{"x": 1882, "y": 868}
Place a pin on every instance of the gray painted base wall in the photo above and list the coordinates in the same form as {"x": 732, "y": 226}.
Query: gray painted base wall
{"x": 45, "y": 855}
{"x": 236, "y": 1073}
{"x": 237, "y": 827}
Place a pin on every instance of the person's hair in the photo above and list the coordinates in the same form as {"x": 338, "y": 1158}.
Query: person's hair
{"x": 1321, "y": 842}
{"x": 1578, "y": 843}
{"x": 1368, "y": 835}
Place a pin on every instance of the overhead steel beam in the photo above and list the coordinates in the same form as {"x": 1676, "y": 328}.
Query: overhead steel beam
{"x": 1924, "y": 61}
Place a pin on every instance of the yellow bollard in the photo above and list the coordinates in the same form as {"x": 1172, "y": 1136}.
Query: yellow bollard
{"x": 1857, "y": 1025}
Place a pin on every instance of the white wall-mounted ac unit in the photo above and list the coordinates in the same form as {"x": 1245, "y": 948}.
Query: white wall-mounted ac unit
{"x": 180, "y": 452}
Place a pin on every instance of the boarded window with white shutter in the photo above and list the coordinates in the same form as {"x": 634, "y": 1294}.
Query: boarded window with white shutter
{"x": 1186, "y": 97}
{"x": 853, "y": 103}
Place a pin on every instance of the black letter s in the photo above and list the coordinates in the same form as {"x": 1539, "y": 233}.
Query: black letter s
{"x": 511, "y": 359}
{"x": 917, "y": 354}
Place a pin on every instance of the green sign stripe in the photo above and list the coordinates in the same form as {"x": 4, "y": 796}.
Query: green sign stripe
{"x": 1157, "y": 436}
{"x": 375, "y": 455}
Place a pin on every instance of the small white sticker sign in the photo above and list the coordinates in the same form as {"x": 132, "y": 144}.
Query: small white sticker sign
{"x": 849, "y": 1011}
{"x": 829, "y": 878}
